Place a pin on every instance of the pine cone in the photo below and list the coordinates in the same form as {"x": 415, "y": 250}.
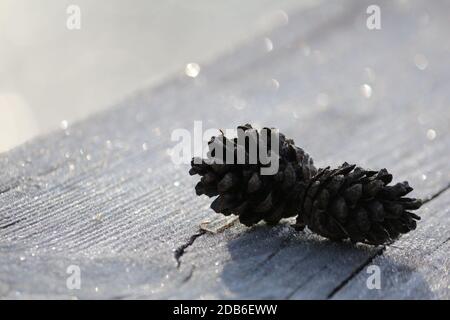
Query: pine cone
{"x": 243, "y": 191}
{"x": 357, "y": 204}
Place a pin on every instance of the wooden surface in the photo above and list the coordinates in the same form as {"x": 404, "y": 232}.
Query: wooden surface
{"x": 92, "y": 196}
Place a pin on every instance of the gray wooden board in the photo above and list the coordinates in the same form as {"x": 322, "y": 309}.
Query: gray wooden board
{"x": 92, "y": 196}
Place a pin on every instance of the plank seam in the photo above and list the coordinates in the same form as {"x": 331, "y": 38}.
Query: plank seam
{"x": 289, "y": 296}
{"x": 380, "y": 251}
{"x": 437, "y": 194}
{"x": 355, "y": 272}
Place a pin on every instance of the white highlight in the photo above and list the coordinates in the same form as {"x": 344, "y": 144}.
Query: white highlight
{"x": 192, "y": 70}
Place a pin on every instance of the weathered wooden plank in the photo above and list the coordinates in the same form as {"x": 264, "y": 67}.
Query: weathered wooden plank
{"x": 281, "y": 264}
{"x": 417, "y": 266}
{"x": 94, "y": 197}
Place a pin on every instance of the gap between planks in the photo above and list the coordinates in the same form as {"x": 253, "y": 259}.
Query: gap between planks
{"x": 181, "y": 250}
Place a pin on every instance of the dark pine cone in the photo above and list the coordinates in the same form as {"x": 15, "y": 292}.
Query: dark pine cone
{"x": 357, "y": 204}
{"x": 243, "y": 191}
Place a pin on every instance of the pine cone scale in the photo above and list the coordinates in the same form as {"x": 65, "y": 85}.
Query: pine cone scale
{"x": 362, "y": 209}
{"x": 241, "y": 188}
{"x": 348, "y": 202}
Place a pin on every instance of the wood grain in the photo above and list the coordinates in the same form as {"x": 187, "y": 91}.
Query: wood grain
{"x": 93, "y": 196}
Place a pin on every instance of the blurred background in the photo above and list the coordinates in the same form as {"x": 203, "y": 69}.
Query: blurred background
{"x": 51, "y": 76}
{"x": 106, "y": 193}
